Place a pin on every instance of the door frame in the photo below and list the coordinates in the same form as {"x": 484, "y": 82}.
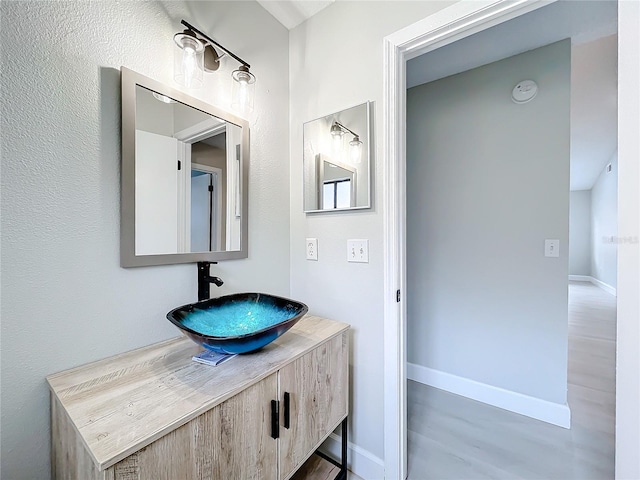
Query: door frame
{"x": 446, "y": 26}
{"x": 217, "y": 203}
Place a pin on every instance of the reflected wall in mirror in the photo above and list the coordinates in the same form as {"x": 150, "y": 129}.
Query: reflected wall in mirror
{"x": 184, "y": 176}
{"x": 336, "y": 161}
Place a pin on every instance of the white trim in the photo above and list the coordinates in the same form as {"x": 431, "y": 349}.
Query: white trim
{"x": 184, "y": 198}
{"x": 201, "y": 130}
{"x": 604, "y": 286}
{"x": 579, "y": 278}
{"x": 360, "y": 461}
{"x": 628, "y": 283}
{"x": 598, "y": 283}
{"x": 448, "y": 25}
{"x": 533, "y": 407}
{"x": 395, "y": 412}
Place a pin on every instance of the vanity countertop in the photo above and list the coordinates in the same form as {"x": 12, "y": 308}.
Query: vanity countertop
{"x": 123, "y": 403}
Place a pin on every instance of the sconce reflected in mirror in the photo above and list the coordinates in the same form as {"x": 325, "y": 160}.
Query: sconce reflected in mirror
{"x": 196, "y": 55}
{"x": 355, "y": 146}
{"x": 336, "y": 161}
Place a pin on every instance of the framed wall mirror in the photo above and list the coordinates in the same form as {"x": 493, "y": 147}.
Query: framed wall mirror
{"x": 337, "y": 161}
{"x": 184, "y": 177}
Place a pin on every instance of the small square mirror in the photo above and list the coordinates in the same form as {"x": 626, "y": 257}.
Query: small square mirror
{"x": 336, "y": 161}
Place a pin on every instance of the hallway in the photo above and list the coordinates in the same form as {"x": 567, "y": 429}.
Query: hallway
{"x": 452, "y": 437}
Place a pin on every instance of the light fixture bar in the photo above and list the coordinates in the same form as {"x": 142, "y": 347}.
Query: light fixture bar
{"x": 213, "y": 42}
{"x": 347, "y": 129}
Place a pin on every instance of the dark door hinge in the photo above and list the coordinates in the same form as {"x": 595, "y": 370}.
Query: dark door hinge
{"x": 179, "y": 165}
{"x": 398, "y": 296}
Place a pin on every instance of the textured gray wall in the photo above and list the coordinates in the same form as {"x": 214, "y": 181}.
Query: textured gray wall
{"x": 327, "y": 78}
{"x": 487, "y": 182}
{"x": 65, "y": 299}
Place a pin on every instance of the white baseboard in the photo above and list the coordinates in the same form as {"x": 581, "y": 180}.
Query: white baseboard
{"x": 606, "y": 287}
{"x": 554, "y": 413}
{"x": 598, "y": 283}
{"x": 361, "y": 462}
{"x": 580, "y": 278}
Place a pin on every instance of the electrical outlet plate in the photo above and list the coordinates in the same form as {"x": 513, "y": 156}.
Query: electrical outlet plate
{"x": 312, "y": 249}
{"x": 358, "y": 251}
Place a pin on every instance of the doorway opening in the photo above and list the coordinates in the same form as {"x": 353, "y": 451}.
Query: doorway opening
{"x": 438, "y": 30}
{"x": 206, "y": 208}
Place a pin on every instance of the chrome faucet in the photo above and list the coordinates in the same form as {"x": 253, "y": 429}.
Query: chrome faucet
{"x": 205, "y": 280}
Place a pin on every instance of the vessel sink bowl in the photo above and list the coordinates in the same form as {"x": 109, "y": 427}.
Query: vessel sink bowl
{"x": 237, "y": 323}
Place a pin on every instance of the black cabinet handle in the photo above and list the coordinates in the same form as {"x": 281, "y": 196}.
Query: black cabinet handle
{"x": 287, "y": 407}
{"x": 275, "y": 422}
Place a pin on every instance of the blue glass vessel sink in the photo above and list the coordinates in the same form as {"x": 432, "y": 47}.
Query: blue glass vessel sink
{"x": 238, "y": 323}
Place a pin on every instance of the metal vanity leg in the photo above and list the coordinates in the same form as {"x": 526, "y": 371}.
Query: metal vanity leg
{"x": 343, "y": 468}
{"x": 342, "y": 474}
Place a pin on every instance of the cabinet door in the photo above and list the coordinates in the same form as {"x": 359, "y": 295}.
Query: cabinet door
{"x": 230, "y": 441}
{"x": 317, "y": 384}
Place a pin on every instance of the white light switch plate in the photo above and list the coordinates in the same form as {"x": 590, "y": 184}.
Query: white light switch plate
{"x": 551, "y": 248}
{"x": 312, "y": 249}
{"x": 358, "y": 251}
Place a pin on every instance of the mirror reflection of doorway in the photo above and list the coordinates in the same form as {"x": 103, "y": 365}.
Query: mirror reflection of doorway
{"x": 336, "y": 194}
{"x": 336, "y": 184}
{"x": 206, "y": 204}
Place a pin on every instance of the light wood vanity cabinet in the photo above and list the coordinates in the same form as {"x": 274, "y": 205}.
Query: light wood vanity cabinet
{"x": 154, "y": 414}
{"x": 316, "y": 384}
{"x": 229, "y": 441}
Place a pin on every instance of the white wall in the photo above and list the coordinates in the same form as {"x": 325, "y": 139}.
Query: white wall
{"x": 604, "y": 224}
{"x": 487, "y": 182}
{"x": 580, "y": 232}
{"x": 66, "y": 301}
{"x": 628, "y": 337}
{"x": 336, "y": 62}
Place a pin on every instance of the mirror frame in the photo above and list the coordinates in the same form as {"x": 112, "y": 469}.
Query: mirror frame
{"x": 369, "y": 153}
{"x": 128, "y": 257}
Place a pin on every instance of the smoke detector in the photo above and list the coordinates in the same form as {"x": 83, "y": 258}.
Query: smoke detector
{"x": 524, "y": 91}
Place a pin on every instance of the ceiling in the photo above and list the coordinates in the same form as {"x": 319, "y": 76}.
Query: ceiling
{"x": 591, "y": 26}
{"x": 292, "y": 13}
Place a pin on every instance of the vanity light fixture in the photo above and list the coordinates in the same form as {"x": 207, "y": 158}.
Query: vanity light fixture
{"x": 188, "y": 60}
{"x": 337, "y": 131}
{"x": 197, "y": 54}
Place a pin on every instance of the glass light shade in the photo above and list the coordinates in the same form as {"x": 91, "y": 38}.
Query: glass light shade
{"x": 188, "y": 65}
{"x": 336, "y": 141}
{"x": 336, "y": 130}
{"x": 243, "y": 89}
{"x": 355, "y": 146}
{"x": 336, "y": 147}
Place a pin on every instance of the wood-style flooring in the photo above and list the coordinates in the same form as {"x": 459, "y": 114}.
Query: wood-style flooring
{"x": 452, "y": 437}
{"x": 316, "y": 468}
